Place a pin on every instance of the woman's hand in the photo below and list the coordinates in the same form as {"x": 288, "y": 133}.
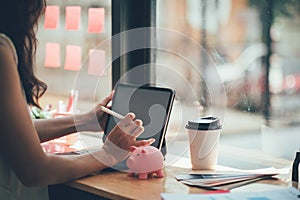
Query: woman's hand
{"x": 95, "y": 119}
{"x": 122, "y": 136}
{"x": 102, "y": 116}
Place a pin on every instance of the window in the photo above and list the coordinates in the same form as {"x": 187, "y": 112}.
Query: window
{"x": 260, "y": 102}
{"x": 237, "y": 59}
{"x": 73, "y": 53}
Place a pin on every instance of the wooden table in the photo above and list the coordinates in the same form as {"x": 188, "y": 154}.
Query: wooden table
{"x": 117, "y": 185}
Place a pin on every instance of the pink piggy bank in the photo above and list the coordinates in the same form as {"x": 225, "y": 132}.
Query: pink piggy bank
{"x": 144, "y": 161}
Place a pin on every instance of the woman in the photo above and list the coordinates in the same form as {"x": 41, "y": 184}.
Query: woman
{"x": 25, "y": 170}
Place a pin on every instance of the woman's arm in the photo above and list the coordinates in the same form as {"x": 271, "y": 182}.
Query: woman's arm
{"x": 20, "y": 143}
{"x": 93, "y": 120}
{"x": 49, "y": 129}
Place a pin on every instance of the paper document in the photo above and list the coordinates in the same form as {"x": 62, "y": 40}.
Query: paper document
{"x": 281, "y": 194}
{"x": 221, "y": 181}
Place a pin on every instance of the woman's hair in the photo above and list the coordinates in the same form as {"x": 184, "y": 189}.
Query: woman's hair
{"x": 18, "y": 20}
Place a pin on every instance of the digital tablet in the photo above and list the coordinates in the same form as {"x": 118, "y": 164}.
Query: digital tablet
{"x": 152, "y": 105}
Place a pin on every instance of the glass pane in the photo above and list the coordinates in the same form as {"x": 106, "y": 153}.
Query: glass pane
{"x": 71, "y": 54}
{"x": 225, "y": 75}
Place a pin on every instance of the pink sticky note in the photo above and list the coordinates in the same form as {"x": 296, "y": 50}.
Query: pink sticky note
{"x": 52, "y": 55}
{"x": 73, "y": 58}
{"x": 51, "y": 17}
{"x": 96, "y": 20}
{"x": 96, "y": 62}
{"x": 72, "y": 17}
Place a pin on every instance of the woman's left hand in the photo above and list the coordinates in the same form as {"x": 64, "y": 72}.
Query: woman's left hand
{"x": 102, "y": 116}
{"x": 95, "y": 119}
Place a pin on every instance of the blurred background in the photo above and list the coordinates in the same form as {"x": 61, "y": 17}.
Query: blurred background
{"x": 252, "y": 44}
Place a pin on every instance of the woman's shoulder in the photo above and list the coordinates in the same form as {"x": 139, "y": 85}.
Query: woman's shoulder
{"x": 6, "y": 41}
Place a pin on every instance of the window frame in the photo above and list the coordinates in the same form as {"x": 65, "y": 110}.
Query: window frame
{"x": 126, "y": 15}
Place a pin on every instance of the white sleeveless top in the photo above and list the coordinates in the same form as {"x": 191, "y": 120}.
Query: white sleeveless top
{"x": 11, "y": 187}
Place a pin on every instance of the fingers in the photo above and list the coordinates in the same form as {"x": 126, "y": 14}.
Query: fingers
{"x": 108, "y": 98}
{"x": 131, "y": 129}
{"x": 130, "y": 126}
{"x": 136, "y": 132}
{"x": 127, "y": 119}
{"x": 137, "y": 128}
{"x": 138, "y": 122}
{"x": 144, "y": 142}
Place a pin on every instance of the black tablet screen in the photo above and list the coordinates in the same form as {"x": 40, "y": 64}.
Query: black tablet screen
{"x": 150, "y": 104}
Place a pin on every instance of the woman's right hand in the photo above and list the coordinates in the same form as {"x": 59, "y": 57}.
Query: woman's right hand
{"x": 124, "y": 135}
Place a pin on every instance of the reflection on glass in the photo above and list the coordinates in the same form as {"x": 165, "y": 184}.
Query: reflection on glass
{"x": 232, "y": 32}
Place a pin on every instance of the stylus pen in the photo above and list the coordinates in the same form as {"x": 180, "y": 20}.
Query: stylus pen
{"x": 112, "y": 113}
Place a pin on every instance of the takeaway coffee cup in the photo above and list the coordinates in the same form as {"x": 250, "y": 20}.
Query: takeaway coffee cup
{"x": 204, "y": 136}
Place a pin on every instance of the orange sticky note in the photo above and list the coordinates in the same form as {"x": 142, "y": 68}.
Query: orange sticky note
{"x": 96, "y": 20}
{"x": 73, "y": 58}
{"x": 51, "y": 17}
{"x": 96, "y": 62}
{"x": 52, "y": 55}
{"x": 72, "y": 17}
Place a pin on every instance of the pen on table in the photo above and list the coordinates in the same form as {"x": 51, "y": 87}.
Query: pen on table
{"x": 111, "y": 112}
